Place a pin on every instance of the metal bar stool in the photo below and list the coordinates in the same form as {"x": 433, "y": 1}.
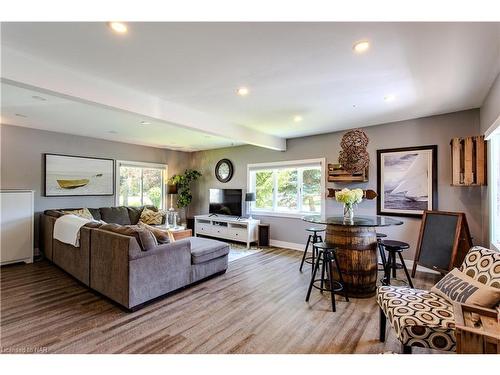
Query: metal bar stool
{"x": 312, "y": 239}
{"x": 394, "y": 247}
{"x": 381, "y": 250}
{"x": 327, "y": 256}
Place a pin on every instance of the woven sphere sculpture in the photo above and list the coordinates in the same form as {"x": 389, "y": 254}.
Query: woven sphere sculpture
{"x": 354, "y": 157}
{"x": 354, "y": 138}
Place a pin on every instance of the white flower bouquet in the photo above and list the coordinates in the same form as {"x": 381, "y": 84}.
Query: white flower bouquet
{"x": 349, "y": 198}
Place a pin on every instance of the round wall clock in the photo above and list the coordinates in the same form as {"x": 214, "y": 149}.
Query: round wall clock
{"x": 224, "y": 170}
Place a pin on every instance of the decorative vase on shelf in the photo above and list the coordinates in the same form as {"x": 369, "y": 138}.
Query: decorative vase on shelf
{"x": 348, "y": 212}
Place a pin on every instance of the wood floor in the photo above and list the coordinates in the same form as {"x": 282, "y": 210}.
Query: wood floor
{"x": 256, "y": 307}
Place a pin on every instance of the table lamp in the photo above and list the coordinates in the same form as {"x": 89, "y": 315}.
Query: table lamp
{"x": 171, "y": 190}
{"x": 249, "y": 197}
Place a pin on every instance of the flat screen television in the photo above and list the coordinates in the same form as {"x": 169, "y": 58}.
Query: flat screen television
{"x": 225, "y": 202}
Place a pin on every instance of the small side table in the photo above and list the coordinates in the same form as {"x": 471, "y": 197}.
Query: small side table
{"x": 176, "y": 234}
{"x": 179, "y": 234}
{"x": 477, "y": 330}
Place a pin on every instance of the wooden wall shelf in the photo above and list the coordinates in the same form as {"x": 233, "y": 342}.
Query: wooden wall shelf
{"x": 337, "y": 174}
{"x": 468, "y": 161}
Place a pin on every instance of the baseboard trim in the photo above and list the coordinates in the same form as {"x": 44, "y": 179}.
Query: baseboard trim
{"x": 287, "y": 245}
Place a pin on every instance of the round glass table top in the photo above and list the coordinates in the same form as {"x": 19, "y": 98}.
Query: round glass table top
{"x": 358, "y": 221}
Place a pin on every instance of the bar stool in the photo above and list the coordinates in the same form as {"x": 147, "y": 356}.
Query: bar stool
{"x": 312, "y": 239}
{"x": 381, "y": 249}
{"x": 326, "y": 256}
{"x": 394, "y": 247}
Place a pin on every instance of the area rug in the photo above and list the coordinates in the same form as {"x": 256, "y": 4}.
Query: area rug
{"x": 239, "y": 251}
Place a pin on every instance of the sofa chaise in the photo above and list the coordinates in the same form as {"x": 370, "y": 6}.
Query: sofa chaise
{"x": 112, "y": 260}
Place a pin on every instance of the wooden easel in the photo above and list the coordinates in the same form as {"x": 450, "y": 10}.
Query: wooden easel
{"x": 452, "y": 246}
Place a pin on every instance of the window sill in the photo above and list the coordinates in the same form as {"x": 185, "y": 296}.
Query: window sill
{"x": 495, "y": 246}
{"x": 289, "y": 215}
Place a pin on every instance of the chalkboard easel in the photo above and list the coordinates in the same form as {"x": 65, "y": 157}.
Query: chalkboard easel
{"x": 443, "y": 241}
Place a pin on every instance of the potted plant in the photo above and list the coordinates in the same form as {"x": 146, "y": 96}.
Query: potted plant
{"x": 183, "y": 182}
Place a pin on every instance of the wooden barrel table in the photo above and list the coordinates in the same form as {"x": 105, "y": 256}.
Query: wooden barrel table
{"x": 356, "y": 244}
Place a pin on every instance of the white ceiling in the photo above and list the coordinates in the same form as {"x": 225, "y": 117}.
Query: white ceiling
{"x": 306, "y": 69}
{"x": 21, "y": 107}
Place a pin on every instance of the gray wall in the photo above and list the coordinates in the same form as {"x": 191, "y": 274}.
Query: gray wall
{"x": 490, "y": 110}
{"x": 425, "y": 131}
{"x": 22, "y": 162}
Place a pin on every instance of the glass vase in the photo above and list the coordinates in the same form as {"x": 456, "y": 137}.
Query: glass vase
{"x": 348, "y": 212}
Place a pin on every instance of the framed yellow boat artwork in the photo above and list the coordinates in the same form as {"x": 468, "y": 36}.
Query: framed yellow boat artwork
{"x": 67, "y": 175}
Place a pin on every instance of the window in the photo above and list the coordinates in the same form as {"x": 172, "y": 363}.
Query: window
{"x": 287, "y": 188}
{"x": 495, "y": 190}
{"x": 141, "y": 184}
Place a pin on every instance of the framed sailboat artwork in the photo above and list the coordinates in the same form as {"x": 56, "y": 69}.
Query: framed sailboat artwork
{"x": 407, "y": 181}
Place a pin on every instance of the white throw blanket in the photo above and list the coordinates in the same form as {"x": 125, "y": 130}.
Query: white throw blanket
{"x": 67, "y": 229}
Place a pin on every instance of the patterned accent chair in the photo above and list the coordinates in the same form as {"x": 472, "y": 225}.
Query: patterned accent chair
{"x": 424, "y": 319}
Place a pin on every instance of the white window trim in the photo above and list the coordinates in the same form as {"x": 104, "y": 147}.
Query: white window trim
{"x": 493, "y": 150}
{"x": 271, "y": 165}
{"x": 129, "y": 163}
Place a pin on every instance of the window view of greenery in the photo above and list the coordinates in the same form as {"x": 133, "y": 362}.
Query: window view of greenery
{"x": 141, "y": 186}
{"x": 311, "y": 190}
{"x": 287, "y": 190}
{"x": 297, "y": 189}
{"x": 264, "y": 189}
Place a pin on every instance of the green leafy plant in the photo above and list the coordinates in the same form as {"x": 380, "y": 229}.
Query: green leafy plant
{"x": 183, "y": 182}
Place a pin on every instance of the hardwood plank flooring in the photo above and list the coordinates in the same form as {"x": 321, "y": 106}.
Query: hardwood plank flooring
{"x": 256, "y": 307}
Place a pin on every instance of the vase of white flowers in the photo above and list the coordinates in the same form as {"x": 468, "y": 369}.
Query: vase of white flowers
{"x": 349, "y": 198}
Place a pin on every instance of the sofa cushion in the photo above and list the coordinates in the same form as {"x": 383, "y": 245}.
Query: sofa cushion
{"x": 420, "y": 318}
{"x": 144, "y": 237}
{"x": 53, "y": 213}
{"x": 134, "y": 214}
{"x": 204, "y": 249}
{"x": 95, "y": 213}
{"x": 161, "y": 235}
{"x": 115, "y": 215}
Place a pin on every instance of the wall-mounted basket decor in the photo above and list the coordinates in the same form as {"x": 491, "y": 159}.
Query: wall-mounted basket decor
{"x": 338, "y": 174}
{"x": 468, "y": 161}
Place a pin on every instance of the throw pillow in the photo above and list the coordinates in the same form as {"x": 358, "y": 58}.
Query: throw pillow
{"x": 456, "y": 286}
{"x": 151, "y": 217}
{"x": 161, "y": 235}
{"x": 84, "y": 212}
{"x": 144, "y": 237}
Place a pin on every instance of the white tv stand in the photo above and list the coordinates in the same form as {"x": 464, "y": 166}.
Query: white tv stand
{"x": 227, "y": 227}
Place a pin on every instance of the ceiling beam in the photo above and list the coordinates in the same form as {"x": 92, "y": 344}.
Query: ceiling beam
{"x": 27, "y": 70}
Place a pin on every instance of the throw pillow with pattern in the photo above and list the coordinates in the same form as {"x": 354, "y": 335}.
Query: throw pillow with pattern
{"x": 456, "y": 286}
{"x": 151, "y": 217}
{"x": 84, "y": 212}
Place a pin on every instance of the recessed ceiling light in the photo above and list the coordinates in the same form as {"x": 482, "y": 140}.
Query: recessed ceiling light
{"x": 361, "y": 46}
{"x": 389, "y": 98}
{"x": 118, "y": 27}
{"x": 242, "y": 91}
{"x": 36, "y": 97}
{"x": 145, "y": 123}
{"x": 297, "y": 118}
{"x": 20, "y": 115}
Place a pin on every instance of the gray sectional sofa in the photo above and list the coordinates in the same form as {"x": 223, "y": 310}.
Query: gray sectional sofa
{"x": 119, "y": 267}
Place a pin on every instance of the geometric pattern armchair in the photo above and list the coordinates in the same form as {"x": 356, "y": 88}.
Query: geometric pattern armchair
{"x": 424, "y": 319}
